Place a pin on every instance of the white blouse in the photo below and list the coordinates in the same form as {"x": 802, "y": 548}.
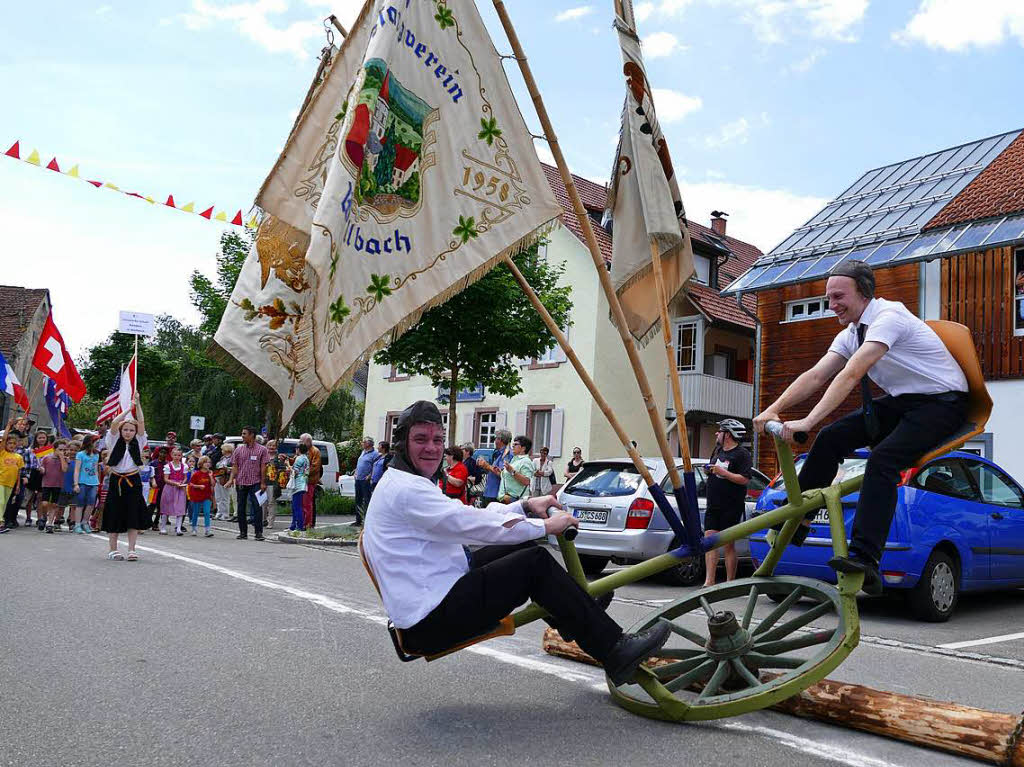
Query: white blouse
{"x": 126, "y": 465}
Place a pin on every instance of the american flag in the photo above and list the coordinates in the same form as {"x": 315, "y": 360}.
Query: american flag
{"x": 111, "y": 405}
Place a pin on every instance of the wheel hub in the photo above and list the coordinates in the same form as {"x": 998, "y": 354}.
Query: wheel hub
{"x": 726, "y": 638}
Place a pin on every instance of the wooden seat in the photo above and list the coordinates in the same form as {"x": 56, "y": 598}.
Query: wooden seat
{"x": 958, "y": 340}
{"x": 506, "y": 626}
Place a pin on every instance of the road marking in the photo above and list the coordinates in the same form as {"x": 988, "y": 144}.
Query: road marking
{"x": 567, "y": 673}
{"x": 978, "y": 642}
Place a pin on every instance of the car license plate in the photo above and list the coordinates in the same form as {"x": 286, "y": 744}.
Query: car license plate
{"x": 821, "y": 518}
{"x": 591, "y": 515}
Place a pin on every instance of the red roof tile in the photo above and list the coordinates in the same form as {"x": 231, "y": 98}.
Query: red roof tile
{"x": 997, "y": 191}
{"x": 723, "y": 308}
{"x": 17, "y": 305}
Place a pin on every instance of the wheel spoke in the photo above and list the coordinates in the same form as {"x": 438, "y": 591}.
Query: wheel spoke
{"x": 748, "y": 611}
{"x": 685, "y": 633}
{"x": 797, "y": 643}
{"x": 779, "y": 611}
{"x": 671, "y": 670}
{"x": 716, "y": 681}
{"x": 744, "y": 672}
{"x": 707, "y": 607}
{"x": 775, "y": 661}
{"x": 698, "y": 674}
{"x": 797, "y": 623}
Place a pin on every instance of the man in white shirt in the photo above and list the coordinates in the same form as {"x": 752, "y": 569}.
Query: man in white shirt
{"x": 414, "y": 538}
{"x": 925, "y": 402}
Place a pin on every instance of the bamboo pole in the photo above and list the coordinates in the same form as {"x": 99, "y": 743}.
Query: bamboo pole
{"x": 570, "y": 354}
{"x": 591, "y": 242}
{"x": 337, "y": 25}
{"x": 670, "y": 353}
{"x": 987, "y": 736}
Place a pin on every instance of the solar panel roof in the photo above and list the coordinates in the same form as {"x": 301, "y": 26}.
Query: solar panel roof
{"x": 880, "y": 216}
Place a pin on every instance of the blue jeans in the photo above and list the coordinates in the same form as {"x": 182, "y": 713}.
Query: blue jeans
{"x": 248, "y": 505}
{"x": 86, "y": 496}
{"x": 297, "y": 521}
{"x": 194, "y": 509}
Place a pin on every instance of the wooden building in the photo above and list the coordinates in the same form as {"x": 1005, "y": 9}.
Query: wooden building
{"x": 944, "y": 233}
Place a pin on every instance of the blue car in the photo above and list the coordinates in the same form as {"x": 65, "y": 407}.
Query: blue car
{"x": 959, "y": 526}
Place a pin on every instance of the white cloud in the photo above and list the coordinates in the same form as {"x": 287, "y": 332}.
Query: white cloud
{"x": 807, "y": 62}
{"x": 642, "y": 12}
{"x": 735, "y": 131}
{"x": 954, "y": 25}
{"x": 771, "y": 20}
{"x": 661, "y": 44}
{"x": 762, "y": 217}
{"x": 672, "y": 106}
{"x": 103, "y": 9}
{"x": 575, "y": 13}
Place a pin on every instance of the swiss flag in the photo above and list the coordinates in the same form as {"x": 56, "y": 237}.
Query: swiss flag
{"x": 53, "y": 360}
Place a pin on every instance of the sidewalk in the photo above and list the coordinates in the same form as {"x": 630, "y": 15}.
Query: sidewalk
{"x": 282, "y": 521}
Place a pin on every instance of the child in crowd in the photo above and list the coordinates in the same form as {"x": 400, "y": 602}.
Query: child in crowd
{"x": 200, "y": 491}
{"x": 11, "y": 464}
{"x": 34, "y": 496}
{"x": 172, "y": 499}
{"x": 300, "y": 475}
{"x": 96, "y": 521}
{"x": 86, "y": 485}
{"x": 53, "y": 467}
{"x": 190, "y": 469}
{"x": 67, "y": 490}
{"x": 159, "y": 461}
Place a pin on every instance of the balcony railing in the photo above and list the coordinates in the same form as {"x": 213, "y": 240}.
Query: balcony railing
{"x": 717, "y": 395}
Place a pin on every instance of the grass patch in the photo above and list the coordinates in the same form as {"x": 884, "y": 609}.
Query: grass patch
{"x": 331, "y": 532}
{"x": 332, "y": 504}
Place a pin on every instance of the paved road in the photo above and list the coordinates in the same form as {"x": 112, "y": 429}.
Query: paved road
{"x": 217, "y": 651}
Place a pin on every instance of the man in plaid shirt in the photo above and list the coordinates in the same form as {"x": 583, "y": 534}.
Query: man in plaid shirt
{"x": 248, "y": 476}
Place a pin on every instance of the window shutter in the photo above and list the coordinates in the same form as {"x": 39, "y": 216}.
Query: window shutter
{"x": 520, "y": 423}
{"x": 501, "y": 419}
{"x": 382, "y": 426}
{"x": 557, "y": 424}
{"x": 386, "y": 371}
{"x": 467, "y": 427}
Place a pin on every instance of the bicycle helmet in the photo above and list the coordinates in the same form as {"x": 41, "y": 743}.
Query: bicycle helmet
{"x": 734, "y": 427}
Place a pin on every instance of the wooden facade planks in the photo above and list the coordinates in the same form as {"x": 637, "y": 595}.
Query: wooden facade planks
{"x": 790, "y": 348}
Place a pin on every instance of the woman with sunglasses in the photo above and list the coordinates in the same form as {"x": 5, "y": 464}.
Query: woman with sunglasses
{"x": 575, "y": 464}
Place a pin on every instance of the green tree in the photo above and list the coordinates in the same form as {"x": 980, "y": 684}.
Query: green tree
{"x": 477, "y": 337}
{"x": 386, "y": 160}
{"x": 82, "y": 415}
{"x": 210, "y": 296}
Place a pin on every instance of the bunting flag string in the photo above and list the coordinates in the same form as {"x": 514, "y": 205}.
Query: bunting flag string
{"x": 212, "y": 213}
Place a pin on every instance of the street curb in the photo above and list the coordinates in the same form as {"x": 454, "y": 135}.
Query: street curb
{"x": 283, "y": 537}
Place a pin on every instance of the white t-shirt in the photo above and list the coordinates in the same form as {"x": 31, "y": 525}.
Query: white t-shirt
{"x": 126, "y": 465}
{"x": 917, "y": 361}
{"x": 414, "y": 537}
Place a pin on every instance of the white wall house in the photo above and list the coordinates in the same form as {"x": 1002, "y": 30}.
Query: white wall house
{"x": 554, "y": 408}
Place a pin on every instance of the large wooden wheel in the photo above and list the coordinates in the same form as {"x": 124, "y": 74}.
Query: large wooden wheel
{"x": 715, "y": 668}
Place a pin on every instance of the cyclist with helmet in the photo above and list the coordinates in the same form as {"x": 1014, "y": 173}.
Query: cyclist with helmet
{"x": 728, "y": 474}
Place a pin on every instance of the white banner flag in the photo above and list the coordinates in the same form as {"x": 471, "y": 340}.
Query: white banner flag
{"x": 644, "y": 199}
{"x": 435, "y": 179}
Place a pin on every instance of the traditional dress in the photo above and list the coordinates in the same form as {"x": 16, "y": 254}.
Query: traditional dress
{"x": 125, "y": 507}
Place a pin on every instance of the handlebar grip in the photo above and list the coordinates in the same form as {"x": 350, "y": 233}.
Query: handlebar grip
{"x": 571, "y": 533}
{"x": 775, "y": 429}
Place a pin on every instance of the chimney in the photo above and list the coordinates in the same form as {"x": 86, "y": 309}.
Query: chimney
{"x": 718, "y": 222}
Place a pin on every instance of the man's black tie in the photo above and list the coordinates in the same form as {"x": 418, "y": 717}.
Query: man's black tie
{"x": 870, "y": 416}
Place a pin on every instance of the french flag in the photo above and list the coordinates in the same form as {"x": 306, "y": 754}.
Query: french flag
{"x": 11, "y": 386}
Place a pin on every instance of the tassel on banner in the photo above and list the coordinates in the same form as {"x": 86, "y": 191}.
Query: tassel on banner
{"x": 14, "y": 151}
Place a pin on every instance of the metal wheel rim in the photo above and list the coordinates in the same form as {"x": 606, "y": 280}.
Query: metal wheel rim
{"x": 943, "y": 587}
{"x": 652, "y": 698}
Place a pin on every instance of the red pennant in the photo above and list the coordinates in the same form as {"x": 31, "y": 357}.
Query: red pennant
{"x": 14, "y": 151}
{"x": 237, "y": 220}
{"x": 96, "y": 184}
{"x": 135, "y": 194}
{"x": 170, "y": 201}
{"x": 52, "y": 165}
{"x": 207, "y": 213}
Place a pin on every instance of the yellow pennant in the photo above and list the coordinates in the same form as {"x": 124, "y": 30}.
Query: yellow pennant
{"x": 116, "y": 188}
{"x": 222, "y": 216}
{"x": 150, "y": 200}
{"x": 190, "y": 208}
{"x": 74, "y": 172}
{"x": 252, "y": 222}
{"x": 34, "y": 157}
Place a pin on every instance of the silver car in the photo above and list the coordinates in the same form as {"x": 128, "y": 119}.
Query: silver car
{"x": 619, "y": 520}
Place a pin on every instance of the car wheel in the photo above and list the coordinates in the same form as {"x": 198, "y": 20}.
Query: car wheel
{"x": 593, "y": 565}
{"x": 934, "y": 597}
{"x": 689, "y": 572}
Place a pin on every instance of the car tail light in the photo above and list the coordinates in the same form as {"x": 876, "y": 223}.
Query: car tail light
{"x": 893, "y": 576}
{"x": 639, "y": 515}
{"x": 907, "y": 475}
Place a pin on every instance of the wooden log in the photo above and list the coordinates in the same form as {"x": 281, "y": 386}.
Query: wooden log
{"x": 988, "y": 736}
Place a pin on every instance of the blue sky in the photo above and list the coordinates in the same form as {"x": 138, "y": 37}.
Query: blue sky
{"x": 770, "y": 108}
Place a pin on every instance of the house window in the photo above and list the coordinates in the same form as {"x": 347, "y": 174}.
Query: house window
{"x": 538, "y": 428}
{"x": 686, "y": 346}
{"x": 702, "y": 269}
{"x": 390, "y": 426}
{"x": 808, "y": 309}
{"x": 1018, "y": 290}
{"x": 486, "y": 426}
{"x": 397, "y": 374}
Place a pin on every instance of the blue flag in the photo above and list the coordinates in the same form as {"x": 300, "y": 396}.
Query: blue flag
{"x": 57, "y": 402}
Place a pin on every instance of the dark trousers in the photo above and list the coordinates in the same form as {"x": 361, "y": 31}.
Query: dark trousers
{"x": 362, "y": 497}
{"x": 499, "y": 580}
{"x": 249, "y": 506}
{"x": 13, "y": 505}
{"x": 909, "y": 426}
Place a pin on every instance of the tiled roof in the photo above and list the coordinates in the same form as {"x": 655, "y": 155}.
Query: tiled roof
{"x": 997, "y": 191}
{"x": 743, "y": 254}
{"x": 17, "y": 305}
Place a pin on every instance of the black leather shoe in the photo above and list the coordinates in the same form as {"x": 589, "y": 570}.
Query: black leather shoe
{"x": 633, "y": 649}
{"x": 260, "y": 538}
{"x": 850, "y": 565}
{"x": 241, "y": 537}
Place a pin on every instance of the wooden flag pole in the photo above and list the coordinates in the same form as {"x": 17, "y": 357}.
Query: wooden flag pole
{"x": 670, "y": 353}
{"x": 592, "y": 246}
{"x": 337, "y": 25}
{"x": 570, "y": 354}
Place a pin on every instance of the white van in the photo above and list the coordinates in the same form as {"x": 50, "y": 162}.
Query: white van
{"x": 332, "y": 477}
